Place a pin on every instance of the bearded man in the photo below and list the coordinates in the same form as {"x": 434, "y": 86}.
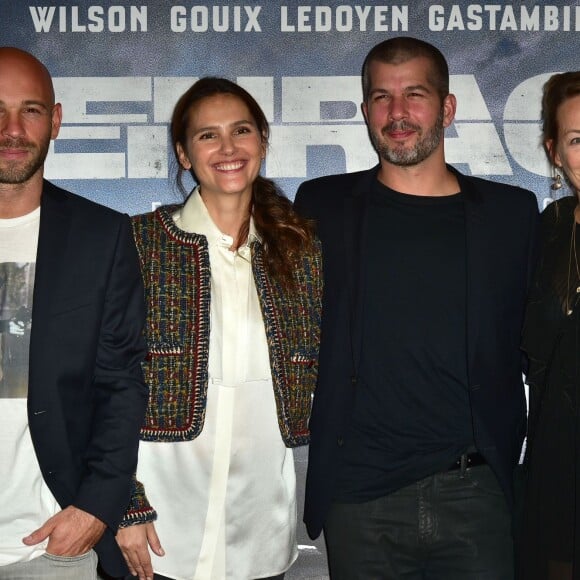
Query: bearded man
{"x": 72, "y": 395}
{"x": 419, "y": 411}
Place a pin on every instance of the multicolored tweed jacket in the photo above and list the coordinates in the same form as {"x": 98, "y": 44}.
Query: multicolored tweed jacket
{"x": 176, "y": 274}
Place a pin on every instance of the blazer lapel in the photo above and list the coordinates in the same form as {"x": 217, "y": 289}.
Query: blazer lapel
{"x": 50, "y": 262}
{"x": 476, "y": 250}
{"x": 355, "y": 233}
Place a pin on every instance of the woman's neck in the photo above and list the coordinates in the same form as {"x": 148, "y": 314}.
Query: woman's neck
{"x": 230, "y": 213}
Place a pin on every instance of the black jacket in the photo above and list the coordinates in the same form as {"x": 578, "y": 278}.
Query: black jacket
{"x": 501, "y": 222}
{"x": 86, "y": 395}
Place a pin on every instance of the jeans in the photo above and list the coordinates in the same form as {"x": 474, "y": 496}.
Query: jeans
{"x": 49, "y": 567}
{"x": 453, "y": 525}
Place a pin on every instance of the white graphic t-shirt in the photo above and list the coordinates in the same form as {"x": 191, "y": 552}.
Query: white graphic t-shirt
{"x": 25, "y": 500}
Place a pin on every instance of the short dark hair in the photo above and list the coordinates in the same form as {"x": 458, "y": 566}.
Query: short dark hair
{"x": 558, "y": 89}
{"x": 401, "y": 49}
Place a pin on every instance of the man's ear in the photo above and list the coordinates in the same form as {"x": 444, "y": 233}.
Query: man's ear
{"x": 449, "y": 109}
{"x": 56, "y": 120}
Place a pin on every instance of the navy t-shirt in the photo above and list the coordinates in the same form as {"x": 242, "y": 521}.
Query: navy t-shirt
{"x": 411, "y": 416}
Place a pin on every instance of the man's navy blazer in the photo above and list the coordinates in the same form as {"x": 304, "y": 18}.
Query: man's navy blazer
{"x": 501, "y": 223}
{"x": 86, "y": 394}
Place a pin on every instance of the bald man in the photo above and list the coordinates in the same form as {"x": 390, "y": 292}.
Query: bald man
{"x": 72, "y": 396}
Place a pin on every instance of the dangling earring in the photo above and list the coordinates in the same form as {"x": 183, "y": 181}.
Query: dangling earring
{"x": 556, "y": 178}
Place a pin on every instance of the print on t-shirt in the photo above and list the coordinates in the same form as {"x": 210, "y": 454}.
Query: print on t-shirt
{"x": 16, "y": 287}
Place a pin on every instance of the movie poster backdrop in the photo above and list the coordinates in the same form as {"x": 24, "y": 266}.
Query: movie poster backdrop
{"x": 119, "y": 68}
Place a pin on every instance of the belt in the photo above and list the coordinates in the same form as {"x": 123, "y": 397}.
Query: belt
{"x": 468, "y": 460}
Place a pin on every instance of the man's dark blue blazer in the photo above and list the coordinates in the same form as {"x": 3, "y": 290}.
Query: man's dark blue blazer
{"x": 86, "y": 395}
{"x": 501, "y": 223}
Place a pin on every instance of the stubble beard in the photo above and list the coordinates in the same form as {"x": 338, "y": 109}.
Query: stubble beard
{"x": 15, "y": 172}
{"x": 423, "y": 148}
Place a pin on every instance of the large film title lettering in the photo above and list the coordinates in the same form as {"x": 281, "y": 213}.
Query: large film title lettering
{"x": 116, "y": 127}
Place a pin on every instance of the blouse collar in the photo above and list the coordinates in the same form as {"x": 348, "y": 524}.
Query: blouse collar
{"x": 194, "y": 217}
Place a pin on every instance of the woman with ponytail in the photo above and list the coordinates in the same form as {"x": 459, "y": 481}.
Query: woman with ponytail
{"x": 233, "y": 287}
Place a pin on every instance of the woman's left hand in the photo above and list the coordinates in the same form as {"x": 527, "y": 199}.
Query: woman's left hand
{"x": 134, "y": 542}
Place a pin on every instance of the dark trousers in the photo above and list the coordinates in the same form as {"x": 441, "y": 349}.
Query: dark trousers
{"x": 450, "y": 526}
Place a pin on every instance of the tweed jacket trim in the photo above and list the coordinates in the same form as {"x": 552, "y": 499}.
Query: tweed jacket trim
{"x": 175, "y": 266}
{"x": 176, "y": 273}
{"x": 293, "y": 341}
{"x": 139, "y": 510}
